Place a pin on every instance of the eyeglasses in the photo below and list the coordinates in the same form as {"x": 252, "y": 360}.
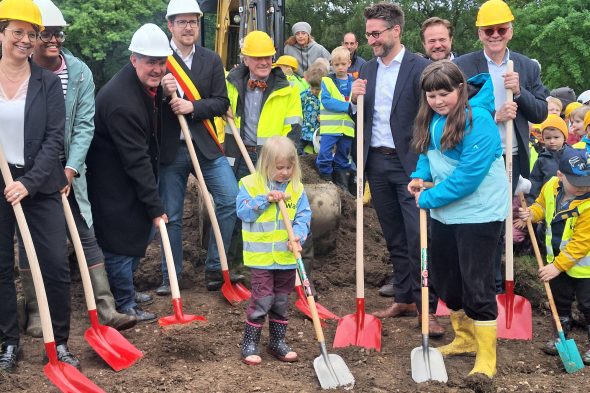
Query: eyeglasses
{"x": 377, "y": 34}
{"x": 183, "y": 23}
{"x": 19, "y": 34}
{"x": 46, "y": 35}
{"x": 491, "y": 30}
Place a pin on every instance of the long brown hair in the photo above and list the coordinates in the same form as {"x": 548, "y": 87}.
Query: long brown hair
{"x": 442, "y": 75}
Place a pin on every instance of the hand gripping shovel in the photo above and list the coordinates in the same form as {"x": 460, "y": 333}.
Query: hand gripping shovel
{"x": 567, "y": 349}
{"x": 107, "y": 342}
{"x": 515, "y": 314}
{"x": 179, "y": 317}
{"x": 64, "y": 376}
{"x": 330, "y": 369}
{"x": 301, "y": 302}
{"x": 234, "y": 293}
{"x": 359, "y": 329}
{"x": 427, "y": 362}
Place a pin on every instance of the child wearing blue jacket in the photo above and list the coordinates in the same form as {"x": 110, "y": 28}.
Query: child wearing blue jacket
{"x": 461, "y": 152}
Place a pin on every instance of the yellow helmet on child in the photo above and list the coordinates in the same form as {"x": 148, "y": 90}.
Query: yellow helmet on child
{"x": 24, "y": 10}
{"x": 493, "y": 12}
{"x": 258, "y": 44}
{"x": 287, "y": 60}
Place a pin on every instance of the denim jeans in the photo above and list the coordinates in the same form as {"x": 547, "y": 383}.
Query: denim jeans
{"x": 221, "y": 183}
{"x": 120, "y": 269}
{"x": 326, "y": 162}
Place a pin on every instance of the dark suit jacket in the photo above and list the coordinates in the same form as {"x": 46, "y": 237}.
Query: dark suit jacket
{"x": 209, "y": 77}
{"x": 45, "y": 115}
{"x": 404, "y": 108}
{"x": 532, "y": 106}
{"x": 122, "y": 164}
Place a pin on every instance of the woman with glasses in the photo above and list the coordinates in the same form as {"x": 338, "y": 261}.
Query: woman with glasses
{"x": 32, "y": 115}
{"x": 302, "y": 46}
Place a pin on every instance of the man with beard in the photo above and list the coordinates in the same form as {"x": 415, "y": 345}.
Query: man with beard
{"x": 437, "y": 39}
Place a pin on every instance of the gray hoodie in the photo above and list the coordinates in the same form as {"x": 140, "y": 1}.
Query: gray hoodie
{"x": 307, "y": 55}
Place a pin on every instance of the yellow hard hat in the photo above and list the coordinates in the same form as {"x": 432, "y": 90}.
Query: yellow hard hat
{"x": 493, "y": 12}
{"x": 258, "y": 44}
{"x": 287, "y": 60}
{"x": 24, "y": 10}
{"x": 570, "y": 108}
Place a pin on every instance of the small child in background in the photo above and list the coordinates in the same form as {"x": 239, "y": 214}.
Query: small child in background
{"x": 585, "y": 141}
{"x": 569, "y": 108}
{"x": 576, "y": 120}
{"x": 564, "y": 205}
{"x": 554, "y": 106}
{"x": 310, "y": 103}
{"x": 267, "y": 250}
{"x": 289, "y": 66}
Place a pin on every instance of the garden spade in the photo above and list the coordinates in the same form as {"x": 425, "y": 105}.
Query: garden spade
{"x": 330, "y": 369}
{"x": 234, "y": 293}
{"x": 359, "y": 329}
{"x": 179, "y": 317}
{"x": 427, "y": 363}
{"x": 567, "y": 349}
{"x": 107, "y": 342}
{"x": 441, "y": 309}
{"x": 65, "y": 377}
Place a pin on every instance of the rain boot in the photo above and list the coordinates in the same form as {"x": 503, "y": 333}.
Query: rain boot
{"x": 276, "y": 343}
{"x": 33, "y": 325}
{"x": 485, "y": 358}
{"x": 341, "y": 178}
{"x": 250, "y": 352}
{"x": 586, "y": 356}
{"x": 464, "y": 342}
{"x": 566, "y": 324}
{"x": 105, "y": 303}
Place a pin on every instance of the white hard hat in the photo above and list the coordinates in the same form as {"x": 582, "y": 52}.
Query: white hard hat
{"x": 584, "y": 97}
{"x": 150, "y": 40}
{"x": 177, "y": 7}
{"x": 50, "y": 14}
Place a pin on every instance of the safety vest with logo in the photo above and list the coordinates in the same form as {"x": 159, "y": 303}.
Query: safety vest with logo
{"x": 582, "y": 267}
{"x": 265, "y": 240}
{"x": 334, "y": 122}
{"x": 280, "y": 111}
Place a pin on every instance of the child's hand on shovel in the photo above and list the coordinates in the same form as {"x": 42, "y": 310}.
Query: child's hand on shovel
{"x": 415, "y": 188}
{"x": 548, "y": 272}
{"x": 296, "y": 242}
{"x": 275, "y": 196}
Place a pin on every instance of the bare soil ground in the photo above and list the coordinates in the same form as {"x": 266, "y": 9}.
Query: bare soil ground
{"x": 205, "y": 357}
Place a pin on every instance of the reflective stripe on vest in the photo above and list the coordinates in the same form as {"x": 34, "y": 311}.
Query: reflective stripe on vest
{"x": 334, "y": 122}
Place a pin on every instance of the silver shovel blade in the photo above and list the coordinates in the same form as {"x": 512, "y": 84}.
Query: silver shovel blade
{"x": 428, "y": 365}
{"x": 333, "y": 373}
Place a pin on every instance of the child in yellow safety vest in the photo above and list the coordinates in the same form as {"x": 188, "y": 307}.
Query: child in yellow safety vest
{"x": 564, "y": 204}
{"x": 267, "y": 250}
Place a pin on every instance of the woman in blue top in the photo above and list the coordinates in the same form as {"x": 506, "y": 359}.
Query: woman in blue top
{"x": 461, "y": 153}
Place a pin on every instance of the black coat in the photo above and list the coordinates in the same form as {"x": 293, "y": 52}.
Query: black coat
{"x": 208, "y": 75}
{"x": 122, "y": 164}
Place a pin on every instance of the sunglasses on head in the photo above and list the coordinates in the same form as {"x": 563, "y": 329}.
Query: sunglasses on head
{"x": 491, "y": 30}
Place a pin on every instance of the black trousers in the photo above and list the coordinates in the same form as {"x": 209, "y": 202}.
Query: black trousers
{"x": 565, "y": 289}
{"x": 462, "y": 266}
{"x": 46, "y": 221}
{"x": 399, "y": 218}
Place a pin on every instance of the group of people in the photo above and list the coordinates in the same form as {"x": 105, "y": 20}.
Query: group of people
{"x": 124, "y": 164}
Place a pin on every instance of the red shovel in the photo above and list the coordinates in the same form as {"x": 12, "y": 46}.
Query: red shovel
{"x": 234, "y": 293}
{"x": 359, "y": 329}
{"x": 515, "y": 314}
{"x": 441, "y": 309}
{"x": 65, "y": 377}
{"x": 107, "y": 342}
{"x": 179, "y": 317}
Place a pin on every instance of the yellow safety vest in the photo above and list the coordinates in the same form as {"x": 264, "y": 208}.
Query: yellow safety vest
{"x": 334, "y": 122}
{"x": 298, "y": 82}
{"x": 265, "y": 240}
{"x": 582, "y": 267}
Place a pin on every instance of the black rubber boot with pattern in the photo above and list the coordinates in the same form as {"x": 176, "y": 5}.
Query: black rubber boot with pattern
{"x": 250, "y": 343}
{"x": 566, "y": 324}
{"x": 276, "y": 342}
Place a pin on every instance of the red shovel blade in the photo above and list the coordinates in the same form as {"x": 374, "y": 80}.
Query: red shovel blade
{"x": 234, "y": 293}
{"x": 65, "y": 377}
{"x": 303, "y": 306}
{"x": 360, "y": 329}
{"x": 110, "y": 345}
{"x": 179, "y": 317}
{"x": 515, "y": 315}
{"x": 441, "y": 309}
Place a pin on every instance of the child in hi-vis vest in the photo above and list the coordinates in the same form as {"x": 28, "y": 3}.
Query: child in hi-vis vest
{"x": 267, "y": 250}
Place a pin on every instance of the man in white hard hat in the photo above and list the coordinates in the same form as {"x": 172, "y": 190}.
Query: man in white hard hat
{"x": 123, "y": 164}
{"x": 197, "y": 74}
{"x": 78, "y": 88}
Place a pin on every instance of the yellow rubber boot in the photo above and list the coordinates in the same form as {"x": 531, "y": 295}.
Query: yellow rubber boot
{"x": 485, "y": 359}
{"x": 464, "y": 342}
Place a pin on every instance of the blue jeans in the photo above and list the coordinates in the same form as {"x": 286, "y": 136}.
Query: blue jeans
{"x": 221, "y": 183}
{"x": 326, "y": 162}
{"x": 120, "y": 269}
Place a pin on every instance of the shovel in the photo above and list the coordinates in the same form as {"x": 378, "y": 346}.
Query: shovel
{"x": 65, "y": 377}
{"x": 442, "y": 309}
{"x": 234, "y": 293}
{"x": 179, "y": 317}
{"x": 330, "y": 369}
{"x": 515, "y": 314}
{"x": 301, "y": 302}
{"x": 427, "y": 363}
{"x": 107, "y": 342}
{"x": 359, "y": 329}
{"x": 567, "y": 349}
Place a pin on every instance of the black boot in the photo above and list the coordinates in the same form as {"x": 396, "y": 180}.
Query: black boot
{"x": 586, "y": 356}
{"x": 250, "y": 344}
{"x": 9, "y": 357}
{"x": 566, "y": 324}
{"x": 276, "y": 343}
{"x": 341, "y": 179}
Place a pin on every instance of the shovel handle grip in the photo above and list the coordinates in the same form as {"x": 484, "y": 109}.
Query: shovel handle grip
{"x": 239, "y": 141}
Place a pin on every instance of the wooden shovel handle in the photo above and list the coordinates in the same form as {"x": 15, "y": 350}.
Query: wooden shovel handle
{"x": 239, "y": 141}
{"x": 169, "y": 260}
{"x": 509, "y": 235}
{"x": 360, "y": 182}
{"x": 424, "y": 270}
